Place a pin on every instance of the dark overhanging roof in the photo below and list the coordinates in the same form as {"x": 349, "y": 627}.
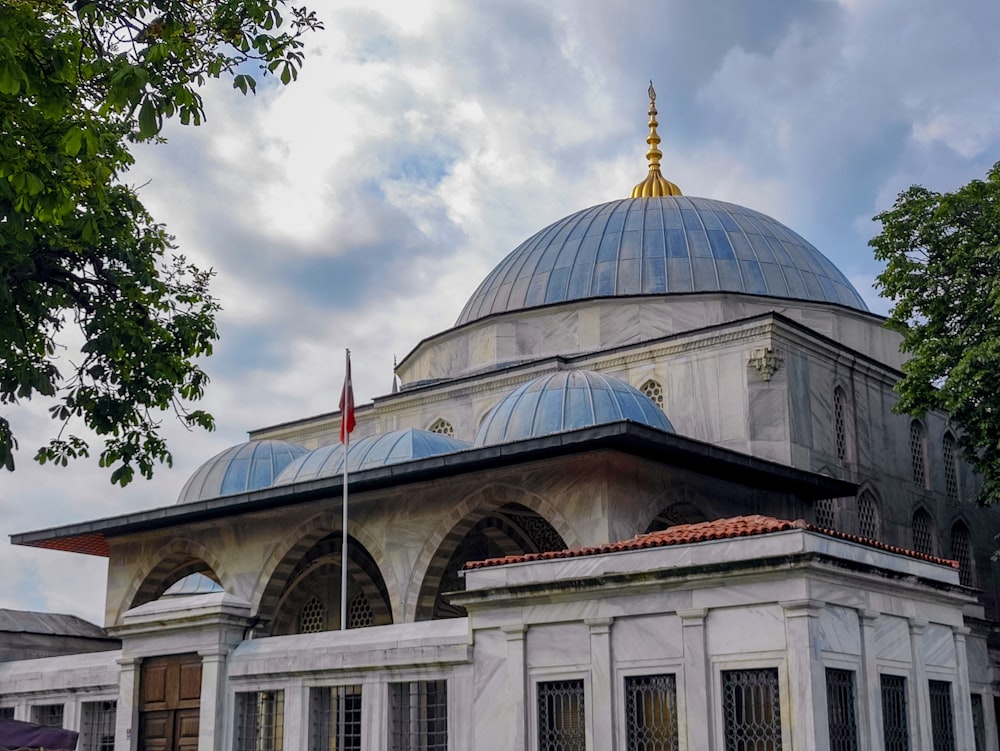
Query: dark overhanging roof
{"x": 626, "y": 437}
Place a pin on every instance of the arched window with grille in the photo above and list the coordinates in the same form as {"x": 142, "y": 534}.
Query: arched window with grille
{"x": 961, "y": 551}
{"x": 918, "y": 454}
{"x": 654, "y": 390}
{"x": 443, "y": 427}
{"x": 826, "y": 513}
{"x": 950, "y": 450}
{"x": 868, "y": 515}
{"x": 923, "y": 532}
{"x": 840, "y": 423}
{"x": 312, "y": 617}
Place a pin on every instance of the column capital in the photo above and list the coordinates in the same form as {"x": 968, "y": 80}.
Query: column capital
{"x": 599, "y": 625}
{"x": 693, "y": 616}
{"x": 799, "y": 608}
{"x": 867, "y": 617}
{"x": 514, "y": 631}
{"x": 917, "y": 626}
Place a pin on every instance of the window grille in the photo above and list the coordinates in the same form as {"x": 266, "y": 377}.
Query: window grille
{"x": 950, "y": 466}
{"x": 654, "y": 390}
{"x": 418, "y": 715}
{"x": 923, "y": 535}
{"x": 825, "y": 513}
{"x": 359, "y": 614}
{"x": 961, "y": 551}
{"x": 895, "y": 730}
{"x": 868, "y": 521}
{"x": 978, "y": 722}
{"x": 752, "y": 710}
{"x": 443, "y": 427}
{"x": 97, "y": 726}
{"x": 260, "y": 721}
{"x": 651, "y": 713}
{"x": 561, "y": 716}
{"x": 49, "y": 715}
{"x": 840, "y": 423}
{"x": 942, "y": 718}
{"x": 312, "y": 617}
{"x": 840, "y": 710}
{"x": 6, "y": 713}
{"x": 918, "y": 454}
{"x": 335, "y": 718}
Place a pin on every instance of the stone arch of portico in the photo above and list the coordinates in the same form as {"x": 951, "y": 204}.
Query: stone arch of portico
{"x": 288, "y": 552}
{"x": 170, "y": 564}
{"x": 680, "y": 505}
{"x": 465, "y": 514}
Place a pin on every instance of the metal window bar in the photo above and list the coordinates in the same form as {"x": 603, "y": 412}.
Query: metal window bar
{"x": 923, "y": 538}
{"x": 751, "y": 708}
{"x": 840, "y": 707}
{"x": 335, "y": 718}
{"x": 561, "y": 716}
{"x": 867, "y": 515}
{"x": 49, "y": 715}
{"x": 942, "y": 717}
{"x": 978, "y": 722}
{"x": 840, "y": 425}
{"x": 97, "y": 726}
{"x": 950, "y": 467}
{"x": 651, "y": 713}
{"x": 918, "y": 454}
{"x": 961, "y": 551}
{"x": 825, "y": 513}
{"x": 312, "y": 617}
{"x": 418, "y": 713}
{"x": 895, "y": 730}
{"x": 260, "y": 721}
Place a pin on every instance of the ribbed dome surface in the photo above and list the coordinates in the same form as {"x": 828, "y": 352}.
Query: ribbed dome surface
{"x": 567, "y": 400}
{"x": 373, "y": 451}
{"x": 248, "y": 466}
{"x": 655, "y": 246}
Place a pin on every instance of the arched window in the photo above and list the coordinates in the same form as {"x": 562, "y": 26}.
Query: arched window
{"x": 918, "y": 454}
{"x": 950, "y": 449}
{"x": 868, "y": 517}
{"x": 443, "y": 427}
{"x": 961, "y": 551}
{"x": 654, "y": 390}
{"x": 840, "y": 423}
{"x": 826, "y": 513}
{"x": 312, "y": 617}
{"x": 359, "y": 614}
{"x": 923, "y": 532}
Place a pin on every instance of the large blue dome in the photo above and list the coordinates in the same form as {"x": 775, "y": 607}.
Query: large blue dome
{"x": 248, "y": 466}
{"x": 656, "y": 246}
{"x": 372, "y": 451}
{"x": 567, "y": 400}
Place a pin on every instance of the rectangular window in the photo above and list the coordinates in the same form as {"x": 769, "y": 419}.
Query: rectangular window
{"x": 978, "y": 722}
{"x": 751, "y": 708}
{"x": 97, "y": 726}
{"x": 942, "y": 718}
{"x": 651, "y": 713}
{"x": 335, "y": 718}
{"x": 260, "y": 721}
{"x": 840, "y": 710}
{"x": 895, "y": 730}
{"x": 418, "y": 716}
{"x": 6, "y": 713}
{"x": 49, "y": 715}
{"x": 561, "y": 716}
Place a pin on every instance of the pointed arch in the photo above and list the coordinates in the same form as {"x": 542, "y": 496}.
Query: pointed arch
{"x": 171, "y": 563}
{"x": 655, "y": 391}
{"x": 869, "y": 513}
{"x": 442, "y": 427}
{"x": 922, "y": 532}
{"x": 949, "y": 449}
{"x": 918, "y": 454}
{"x": 961, "y": 551}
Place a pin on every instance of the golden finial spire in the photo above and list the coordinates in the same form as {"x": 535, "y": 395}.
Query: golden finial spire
{"x": 655, "y": 184}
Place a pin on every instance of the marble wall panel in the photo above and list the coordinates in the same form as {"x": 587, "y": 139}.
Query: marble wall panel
{"x": 799, "y": 397}
{"x": 938, "y": 646}
{"x": 747, "y": 629}
{"x": 978, "y": 659}
{"x": 646, "y": 638}
{"x": 558, "y": 645}
{"x": 838, "y": 630}
{"x": 619, "y": 325}
{"x": 892, "y": 639}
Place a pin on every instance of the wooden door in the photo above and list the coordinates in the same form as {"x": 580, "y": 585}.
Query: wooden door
{"x": 169, "y": 703}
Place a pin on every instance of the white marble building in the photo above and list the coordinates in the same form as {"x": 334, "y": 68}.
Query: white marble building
{"x": 641, "y": 366}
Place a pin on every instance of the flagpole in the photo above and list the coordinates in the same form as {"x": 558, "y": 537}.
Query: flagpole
{"x": 345, "y": 434}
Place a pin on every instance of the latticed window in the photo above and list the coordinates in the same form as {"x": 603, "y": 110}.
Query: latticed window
{"x": 868, "y": 522}
{"x": 840, "y": 423}
{"x": 826, "y": 513}
{"x": 443, "y": 427}
{"x": 923, "y": 534}
{"x": 561, "y": 718}
{"x": 359, "y": 614}
{"x": 961, "y": 551}
{"x": 918, "y": 454}
{"x": 950, "y": 449}
{"x": 840, "y": 710}
{"x": 942, "y": 717}
{"x": 895, "y": 727}
{"x": 335, "y": 718}
{"x": 751, "y": 710}
{"x": 978, "y": 722}
{"x": 49, "y": 715}
{"x": 312, "y": 617}
{"x": 418, "y": 716}
{"x": 260, "y": 721}
{"x": 654, "y": 390}
{"x": 97, "y": 726}
{"x": 651, "y": 713}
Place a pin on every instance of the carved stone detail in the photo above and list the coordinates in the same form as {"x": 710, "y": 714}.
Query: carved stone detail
{"x": 766, "y": 361}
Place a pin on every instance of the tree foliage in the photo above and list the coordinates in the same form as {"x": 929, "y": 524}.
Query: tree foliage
{"x": 97, "y": 312}
{"x": 942, "y": 274}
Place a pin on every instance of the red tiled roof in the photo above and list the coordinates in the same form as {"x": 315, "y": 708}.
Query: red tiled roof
{"x": 720, "y": 529}
{"x": 91, "y": 544}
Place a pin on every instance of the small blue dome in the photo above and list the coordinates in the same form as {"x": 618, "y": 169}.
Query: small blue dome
{"x": 372, "y": 451}
{"x": 567, "y": 400}
{"x": 658, "y": 246}
{"x": 248, "y": 466}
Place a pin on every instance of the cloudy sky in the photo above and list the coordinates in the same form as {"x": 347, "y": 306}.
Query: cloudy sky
{"x": 362, "y": 205}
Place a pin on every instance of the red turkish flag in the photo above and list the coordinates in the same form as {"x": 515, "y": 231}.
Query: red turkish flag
{"x": 347, "y": 404}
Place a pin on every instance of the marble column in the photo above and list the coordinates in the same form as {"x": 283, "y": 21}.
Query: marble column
{"x": 869, "y": 683}
{"x": 212, "y": 710}
{"x": 127, "y": 709}
{"x": 601, "y": 687}
{"x": 921, "y": 719}
{"x": 805, "y": 675}
{"x": 516, "y": 688}
{"x": 697, "y": 683}
{"x": 296, "y": 715}
{"x": 964, "y": 734}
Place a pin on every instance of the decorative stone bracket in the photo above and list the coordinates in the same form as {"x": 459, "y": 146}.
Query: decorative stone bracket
{"x": 766, "y": 361}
